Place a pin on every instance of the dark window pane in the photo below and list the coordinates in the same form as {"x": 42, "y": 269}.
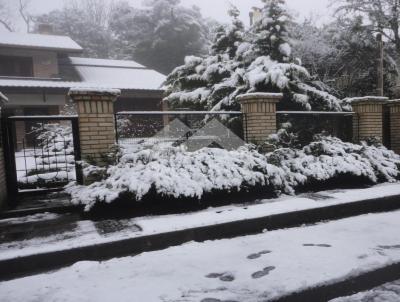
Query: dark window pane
{"x": 16, "y": 66}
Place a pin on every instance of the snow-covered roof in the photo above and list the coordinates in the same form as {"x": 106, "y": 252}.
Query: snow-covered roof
{"x": 98, "y": 74}
{"x": 50, "y": 42}
{"x": 105, "y": 62}
{"x": 117, "y": 74}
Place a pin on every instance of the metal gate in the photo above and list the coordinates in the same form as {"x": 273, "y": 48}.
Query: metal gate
{"x": 41, "y": 152}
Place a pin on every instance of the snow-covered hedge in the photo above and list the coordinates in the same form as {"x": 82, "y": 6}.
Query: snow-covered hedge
{"x": 329, "y": 157}
{"x": 177, "y": 173}
{"x": 174, "y": 172}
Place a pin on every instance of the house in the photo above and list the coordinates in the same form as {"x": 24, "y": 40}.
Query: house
{"x": 37, "y": 70}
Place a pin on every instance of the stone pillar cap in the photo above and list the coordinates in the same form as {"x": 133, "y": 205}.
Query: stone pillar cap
{"x": 261, "y": 96}
{"x": 94, "y": 91}
{"x": 368, "y": 99}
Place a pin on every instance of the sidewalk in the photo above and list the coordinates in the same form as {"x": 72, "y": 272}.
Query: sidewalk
{"x": 41, "y": 233}
{"x": 260, "y": 267}
{"x": 44, "y": 242}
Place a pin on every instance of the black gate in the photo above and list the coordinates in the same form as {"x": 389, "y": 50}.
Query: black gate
{"x": 41, "y": 152}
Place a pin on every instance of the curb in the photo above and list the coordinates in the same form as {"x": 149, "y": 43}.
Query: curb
{"x": 38, "y": 263}
{"x": 352, "y": 285}
{"x": 33, "y": 211}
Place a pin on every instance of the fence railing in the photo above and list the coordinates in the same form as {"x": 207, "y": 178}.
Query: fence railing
{"x": 306, "y": 124}
{"x": 195, "y": 129}
{"x": 42, "y": 151}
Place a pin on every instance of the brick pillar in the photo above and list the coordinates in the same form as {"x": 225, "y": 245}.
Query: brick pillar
{"x": 260, "y": 115}
{"x": 3, "y": 184}
{"x": 96, "y": 121}
{"x": 394, "y": 107}
{"x": 368, "y": 117}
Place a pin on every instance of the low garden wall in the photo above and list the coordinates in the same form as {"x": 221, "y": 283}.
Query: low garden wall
{"x": 287, "y": 171}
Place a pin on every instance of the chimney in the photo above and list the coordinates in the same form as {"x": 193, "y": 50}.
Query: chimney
{"x": 45, "y": 29}
{"x": 255, "y": 15}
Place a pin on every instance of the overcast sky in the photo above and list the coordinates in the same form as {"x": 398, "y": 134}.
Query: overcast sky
{"x": 217, "y": 8}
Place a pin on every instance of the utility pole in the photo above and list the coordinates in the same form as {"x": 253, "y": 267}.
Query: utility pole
{"x": 380, "y": 65}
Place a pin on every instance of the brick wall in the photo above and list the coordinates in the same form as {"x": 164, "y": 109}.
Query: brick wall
{"x": 96, "y": 127}
{"x": 260, "y": 115}
{"x": 96, "y": 122}
{"x": 368, "y": 118}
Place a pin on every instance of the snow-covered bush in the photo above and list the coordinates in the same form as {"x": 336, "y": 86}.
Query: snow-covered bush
{"x": 144, "y": 171}
{"x": 173, "y": 172}
{"x": 327, "y": 158}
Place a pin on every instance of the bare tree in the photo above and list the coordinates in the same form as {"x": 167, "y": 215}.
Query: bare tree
{"x": 6, "y": 16}
{"x": 23, "y": 10}
{"x": 11, "y": 11}
{"x": 98, "y": 11}
{"x": 384, "y": 16}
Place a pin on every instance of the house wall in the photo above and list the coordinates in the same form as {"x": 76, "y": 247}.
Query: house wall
{"x": 45, "y": 64}
{"x": 130, "y": 104}
{"x": 139, "y": 101}
{"x": 36, "y": 99}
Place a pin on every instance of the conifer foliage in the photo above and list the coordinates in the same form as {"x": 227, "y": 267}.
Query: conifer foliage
{"x": 243, "y": 61}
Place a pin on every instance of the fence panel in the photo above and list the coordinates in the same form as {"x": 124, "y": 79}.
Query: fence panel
{"x": 44, "y": 151}
{"x": 307, "y": 124}
{"x": 194, "y": 129}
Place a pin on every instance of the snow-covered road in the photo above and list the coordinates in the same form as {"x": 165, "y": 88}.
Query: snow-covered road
{"x": 250, "y": 268}
{"x": 389, "y": 292}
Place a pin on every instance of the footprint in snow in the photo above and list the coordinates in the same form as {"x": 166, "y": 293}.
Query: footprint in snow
{"x": 389, "y": 247}
{"x": 226, "y": 277}
{"x": 317, "y": 245}
{"x": 263, "y": 273}
{"x": 215, "y": 300}
{"x": 258, "y": 255}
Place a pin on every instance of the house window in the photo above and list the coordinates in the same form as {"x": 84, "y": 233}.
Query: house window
{"x": 16, "y": 66}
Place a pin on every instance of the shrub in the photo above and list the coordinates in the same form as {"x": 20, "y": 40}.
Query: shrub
{"x": 174, "y": 172}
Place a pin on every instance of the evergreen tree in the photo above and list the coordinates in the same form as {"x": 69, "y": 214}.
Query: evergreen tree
{"x": 160, "y": 34}
{"x": 227, "y": 39}
{"x": 262, "y": 63}
{"x": 270, "y": 34}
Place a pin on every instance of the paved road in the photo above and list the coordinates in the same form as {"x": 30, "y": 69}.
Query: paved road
{"x": 390, "y": 292}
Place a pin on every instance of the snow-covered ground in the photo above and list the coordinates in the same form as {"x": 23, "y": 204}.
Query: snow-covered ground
{"x": 250, "y": 268}
{"x": 389, "y": 292}
{"x": 29, "y": 160}
{"x": 86, "y": 233}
